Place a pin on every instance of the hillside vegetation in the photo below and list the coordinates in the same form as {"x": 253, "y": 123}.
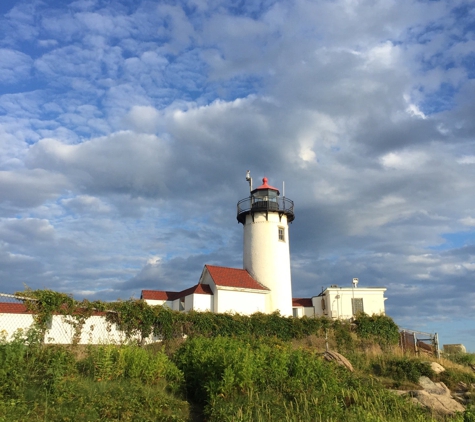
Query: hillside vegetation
{"x": 230, "y": 368}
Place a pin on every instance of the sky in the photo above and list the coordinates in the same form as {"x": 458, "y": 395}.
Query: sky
{"x": 127, "y": 128}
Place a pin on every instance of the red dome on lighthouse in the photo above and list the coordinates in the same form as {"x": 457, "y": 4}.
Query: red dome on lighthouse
{"x": 266, "y": 186}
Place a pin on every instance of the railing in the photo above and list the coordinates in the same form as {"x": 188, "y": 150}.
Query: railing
{"x": 419, "y": 342}
{"x": 250, "y": 204}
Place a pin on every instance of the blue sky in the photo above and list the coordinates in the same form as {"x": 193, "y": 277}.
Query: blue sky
{"x": 126, "y": 130}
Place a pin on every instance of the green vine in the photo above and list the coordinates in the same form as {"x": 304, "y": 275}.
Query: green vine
{"x": 138, "y": 320}
{"x": 45, "y": 303}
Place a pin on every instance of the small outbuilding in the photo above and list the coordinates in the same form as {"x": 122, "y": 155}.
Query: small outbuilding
{"x": 342, "y": 302}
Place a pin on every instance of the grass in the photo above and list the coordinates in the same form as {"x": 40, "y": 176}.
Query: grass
{"x": 216, "y": 379}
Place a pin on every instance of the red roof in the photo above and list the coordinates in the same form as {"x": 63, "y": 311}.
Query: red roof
{"x": 158, "y": 295}
{"x": 202, "y": 289}
{"x": 233, "y": 277}
{"x": 305, "y": 302}
{"x": 266, "y": 186}
{"x": 13, "y": 308}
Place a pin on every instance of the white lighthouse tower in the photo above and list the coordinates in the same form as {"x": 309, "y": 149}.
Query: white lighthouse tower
{"x": 265, "y": 216}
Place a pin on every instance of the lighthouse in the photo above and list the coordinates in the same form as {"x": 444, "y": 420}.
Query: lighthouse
{"x": 265, "y": 216}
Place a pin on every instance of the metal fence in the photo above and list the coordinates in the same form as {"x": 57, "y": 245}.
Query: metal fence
{"x": 16, "y": 320}
{"x": 419, "y": 342}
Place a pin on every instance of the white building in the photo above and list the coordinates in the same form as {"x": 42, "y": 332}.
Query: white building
{"x": 264, "y": 284}
{"x": 342, "y": 302}
{"x": 220, "y": 289}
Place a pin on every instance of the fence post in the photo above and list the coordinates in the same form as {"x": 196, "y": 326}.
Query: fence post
{"x": 436, "y": 345}
{"x": 416, "y": 350}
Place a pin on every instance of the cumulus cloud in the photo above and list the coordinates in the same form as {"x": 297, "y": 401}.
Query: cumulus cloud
{"x": 30, "y": 188}
{"x": 126, "y": 132}
{"x": 124, "y": 162}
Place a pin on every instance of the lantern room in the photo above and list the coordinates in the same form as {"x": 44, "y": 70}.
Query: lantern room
{"x": 265, "y": 199}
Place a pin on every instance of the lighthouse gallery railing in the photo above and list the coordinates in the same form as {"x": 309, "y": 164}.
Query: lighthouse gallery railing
{"x": 250, "y": 204}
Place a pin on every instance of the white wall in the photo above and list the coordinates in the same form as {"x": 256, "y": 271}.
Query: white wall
{"x": 268, "y": 259}
{"x": 153, "y": 302}
{"x": 10, "y": 323}
{"x": 199, "y": 302}
{"x": 338, "y": 301}
{"x": 241, "y": 302}
{"x": 96, "y": 329}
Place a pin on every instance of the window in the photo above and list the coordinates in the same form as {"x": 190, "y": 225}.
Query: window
{"x": 357, "y": 305}
{"x": 282, "y": 234}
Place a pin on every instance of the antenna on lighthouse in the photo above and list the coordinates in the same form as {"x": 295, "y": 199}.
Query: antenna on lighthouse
{"x": 249, "y": 179}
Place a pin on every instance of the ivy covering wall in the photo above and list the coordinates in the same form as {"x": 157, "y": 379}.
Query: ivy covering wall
{"x": 137, "y": 319}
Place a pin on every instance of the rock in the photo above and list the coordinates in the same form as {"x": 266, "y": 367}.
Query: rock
{"x": 438, "y": 388}
{"x": 437, "y": 367}
{"x": 441, "y": 404}
{"x": 436, "y": 396}
{"x": 339, "y": 359}
{"x": 454, "y": 348}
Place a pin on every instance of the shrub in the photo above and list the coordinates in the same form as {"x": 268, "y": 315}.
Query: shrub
{"x": 379, "y": 328}
{"x": 402, "y": 369}
{"x": 266, "y": 380}
{"x": 465, "y": 359}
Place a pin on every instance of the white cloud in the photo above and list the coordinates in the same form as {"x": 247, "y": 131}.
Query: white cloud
{"x": 14, "y": 230}
{"x": 123, "y": 162}
{"x": 30, "y": 188}
{"x": 468, "y": 159}
{"x": 85, "y": 204}
{"x": 405, "y": 160}
{"x": 382, "y": 56}
{"x": 15, "y": 66}
{"x": 143, "y": 119}
{"x": 468, "y": 221}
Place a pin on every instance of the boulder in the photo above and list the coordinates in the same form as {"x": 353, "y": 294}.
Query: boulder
{"x": 339, "y": 359}
{"x": 437, "y": 397}
{"x": 437, "y": 367}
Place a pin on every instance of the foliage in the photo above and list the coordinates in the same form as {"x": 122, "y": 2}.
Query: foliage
{"x": 465, "y": 359}
{"x": 233, "y": 367}
{"x": 379, "y": 328}
{"x": 452, "y": 377}
{"x": 113, "y": 362}
{"x": 44, "y": 382}
{"x": 251, "y": 380}
{"x": 402, "y": 368}
{"x": 343, "y": 338}
{"x": 45, "y": 303}
{"x": 240, "y": 378}
{"x": 138, "y": 320}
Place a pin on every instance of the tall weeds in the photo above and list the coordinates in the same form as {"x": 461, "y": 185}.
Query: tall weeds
{"x": 110, "y": 383}
{"x": 267, "y": 380}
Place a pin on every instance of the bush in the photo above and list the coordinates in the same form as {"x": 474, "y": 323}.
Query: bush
{"x": 251, "y": 380}
{"x": 379, "y": 328}
{"x": 111, "y": 383}
{"x": 113, "y": 362}
{"x": 402, "y": 369}
{"x": 465, "y": 359}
